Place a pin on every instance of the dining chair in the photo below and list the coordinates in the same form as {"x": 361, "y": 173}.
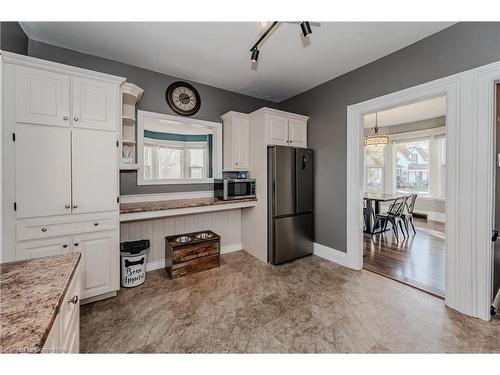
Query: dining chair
{"x": 393, "y": 216}
{"x": 408, "y": 215}
{"x": 372, "y": 213}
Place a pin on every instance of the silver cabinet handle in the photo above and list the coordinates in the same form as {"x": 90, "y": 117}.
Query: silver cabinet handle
{"x": 67, "y": 206}
{"x": 65, "y": 118}
{"x": 65, "y": 245}
{"x": 75, "y": 118}
{"x": 75, "y": 206}
{"x": 44, "y": 229}
{"x": 73, "y": 300}
{"x": 76, "y": 244}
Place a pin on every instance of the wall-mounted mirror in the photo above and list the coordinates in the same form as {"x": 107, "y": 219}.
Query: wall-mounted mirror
{"x": 177, "y": 150}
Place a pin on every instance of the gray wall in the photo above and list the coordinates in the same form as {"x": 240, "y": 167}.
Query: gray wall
{"x": 214, "y": 101}
{"x": 455, "y": 49}
{"x": 13, "y": 38}
{"x": 410, "y": 126}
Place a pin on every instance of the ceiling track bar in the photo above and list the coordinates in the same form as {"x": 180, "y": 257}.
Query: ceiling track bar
{"x": 268, "y": 30}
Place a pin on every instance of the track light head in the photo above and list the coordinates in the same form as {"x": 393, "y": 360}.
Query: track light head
{"x": 306, "y": 29}
{"x": 255, "y": 54}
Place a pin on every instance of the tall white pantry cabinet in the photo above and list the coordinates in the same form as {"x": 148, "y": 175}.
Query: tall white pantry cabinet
{"x": 60, "y": 167}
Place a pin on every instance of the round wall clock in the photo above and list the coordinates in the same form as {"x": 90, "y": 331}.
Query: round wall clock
{"x": 183, "y": 98}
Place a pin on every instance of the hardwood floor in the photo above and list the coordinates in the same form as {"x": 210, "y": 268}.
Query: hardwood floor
{"x": 417, "y": 260}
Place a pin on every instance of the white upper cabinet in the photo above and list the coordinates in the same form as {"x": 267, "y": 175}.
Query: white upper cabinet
{"x": 95, "y": 104}
{"x": 276, "y": 130}
{"x": 43, "y": 170}
{"x": 42, "y": 97}
{"x": 236, "y": 141}
{"x": 95, "y": 171}
{"x": 297, "y": 133}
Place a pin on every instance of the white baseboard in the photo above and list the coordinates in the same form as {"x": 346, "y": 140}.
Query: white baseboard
{"x": 230, "y": 248}
{"x": 137, "y": 198}
{"x": 436, "y": 216}
{"x": 157, "y": 264}
{"x": 330, "y": 254}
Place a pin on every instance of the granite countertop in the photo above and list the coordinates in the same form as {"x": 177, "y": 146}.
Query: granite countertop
{"x": 31, "y": 293}
{"x": 130, "y": 208}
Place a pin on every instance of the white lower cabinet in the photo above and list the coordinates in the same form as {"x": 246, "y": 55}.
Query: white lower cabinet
{"x": 100, "y": 262}
{"x": 64, "y": 336}
{"x": 95, "y": 236}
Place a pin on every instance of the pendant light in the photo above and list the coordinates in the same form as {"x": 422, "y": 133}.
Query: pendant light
{"x": 376, "y": 139}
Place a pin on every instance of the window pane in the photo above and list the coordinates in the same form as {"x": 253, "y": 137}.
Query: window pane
{"x": 196, "y": 172}
{"x": 148, "y": 162}
{"x": 412, "y": 167}
{"x": 169, "y": 163}
{"x": 374, "y": 168}
{"x": 197, "y": 163}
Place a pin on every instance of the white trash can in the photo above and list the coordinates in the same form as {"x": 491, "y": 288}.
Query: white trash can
{"x": 133, "y": 262}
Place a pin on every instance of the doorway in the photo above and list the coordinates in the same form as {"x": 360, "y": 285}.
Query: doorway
{"x": 404, "y": 194}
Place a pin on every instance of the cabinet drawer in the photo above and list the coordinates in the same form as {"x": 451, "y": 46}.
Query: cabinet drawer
{"x": 70, "y": 311}
{"x": 195, "y": 251}
{"x": 44, "y": 228}
{"x": 42, "y": 248}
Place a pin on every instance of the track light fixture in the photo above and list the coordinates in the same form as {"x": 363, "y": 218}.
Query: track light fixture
{"x": 304, "y": 25}
{"x": 306, "y": 29}
{"x": 255, "y": 55}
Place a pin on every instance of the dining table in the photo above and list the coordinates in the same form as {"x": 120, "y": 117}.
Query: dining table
{"x": 373, "y": 201}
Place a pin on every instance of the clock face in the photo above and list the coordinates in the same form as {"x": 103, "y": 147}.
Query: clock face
{"x": 183, "y": 98}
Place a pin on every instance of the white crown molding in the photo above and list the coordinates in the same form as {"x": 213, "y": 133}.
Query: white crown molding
{"x": 279, "y": 113}
{"x": 32, "y": 62}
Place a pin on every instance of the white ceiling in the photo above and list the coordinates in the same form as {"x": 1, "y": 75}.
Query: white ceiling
{"x": 419, "y": 111}
{"x": 217, "y": 53}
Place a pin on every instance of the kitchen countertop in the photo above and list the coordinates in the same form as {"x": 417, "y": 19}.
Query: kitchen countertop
{"x": 130, "y": 208}
{"x": 31, "y": 293}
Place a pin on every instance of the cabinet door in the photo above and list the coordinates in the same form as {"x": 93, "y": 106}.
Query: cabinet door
{"x": 95, "y": 171}
{"x": 95, "y": 104}
{"x": 276, "y": 130}
{"x": 297, "y": 133}
{"x": 99, "y": 272}
{"x": 41, "y": 97}
{"x": 43, "y": 170}
{"x": 42, "y": 248}
{"x": 241, "y": 144}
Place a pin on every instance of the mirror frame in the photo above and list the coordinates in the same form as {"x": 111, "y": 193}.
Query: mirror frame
{"x": 216, "y": 149}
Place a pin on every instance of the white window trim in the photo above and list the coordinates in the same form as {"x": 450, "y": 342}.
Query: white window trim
{"x": 216, "y": 149}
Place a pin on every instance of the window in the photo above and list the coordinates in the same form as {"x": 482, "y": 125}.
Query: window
{"x": 374, "y": 169}
{"x": 413, "y": 162}
{"x": 174, "y": 160}
{"x": 412, "y": 167}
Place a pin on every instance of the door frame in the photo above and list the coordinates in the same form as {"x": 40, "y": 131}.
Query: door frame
{"x": 470, "y": 176}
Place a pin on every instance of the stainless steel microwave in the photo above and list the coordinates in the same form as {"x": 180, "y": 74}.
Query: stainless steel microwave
{"x": 234, "y": 188}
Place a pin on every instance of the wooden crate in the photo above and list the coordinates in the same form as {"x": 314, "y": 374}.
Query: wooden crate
{"x": 184, "y": 258}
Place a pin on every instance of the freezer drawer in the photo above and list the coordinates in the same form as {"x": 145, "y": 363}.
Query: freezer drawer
{"x": 292, "y": 238}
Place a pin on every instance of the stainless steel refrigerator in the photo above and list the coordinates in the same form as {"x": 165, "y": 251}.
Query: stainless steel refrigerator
{"x": 290, "y": 190}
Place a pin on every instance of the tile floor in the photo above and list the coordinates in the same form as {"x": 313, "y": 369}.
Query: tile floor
{"x": 309, "y": 305}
